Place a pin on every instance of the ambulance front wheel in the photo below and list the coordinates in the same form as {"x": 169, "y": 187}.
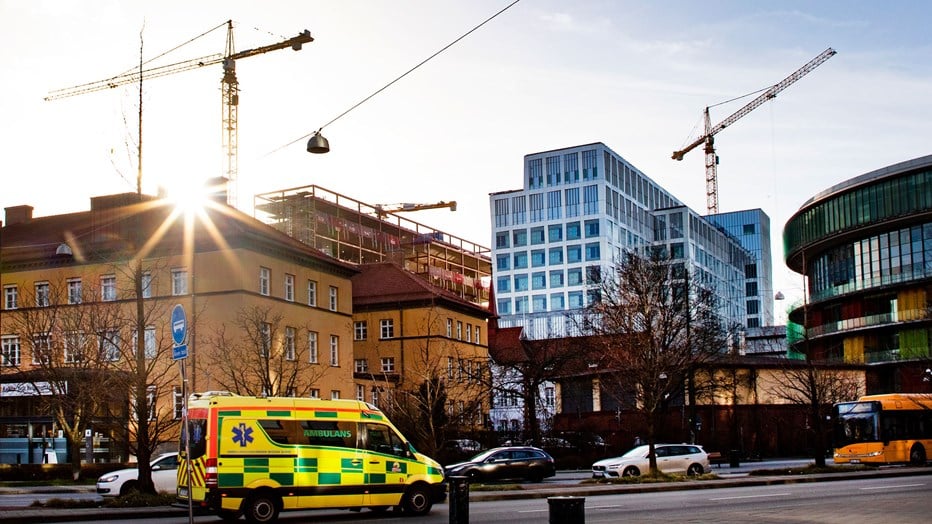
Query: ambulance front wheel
{"x": 261, "y": 508}
{"x": 417, "y": 500}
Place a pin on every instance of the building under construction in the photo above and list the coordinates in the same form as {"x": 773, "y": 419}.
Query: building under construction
{"x": 361, "y": 233}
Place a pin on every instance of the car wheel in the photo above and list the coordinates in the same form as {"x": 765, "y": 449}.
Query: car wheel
{"x": 128, "y": 487}
{"x": 417, "y": 500}
{"x": 917, "y": 455}
{"x": 694, "y": 470}
{"x": 262, "y": 508}
{"x": 631, "y": 471}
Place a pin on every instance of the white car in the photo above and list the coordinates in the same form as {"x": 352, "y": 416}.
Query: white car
{"x": 123, "y": 481}
{"x": 671, "y": 458}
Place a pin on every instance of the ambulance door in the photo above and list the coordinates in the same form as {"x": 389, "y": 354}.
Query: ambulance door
{"x": 386, "y": 465}
{"x": 330, "y": 466}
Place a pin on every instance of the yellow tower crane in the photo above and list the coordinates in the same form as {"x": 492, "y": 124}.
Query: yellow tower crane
{"x": 383, "y": 209}
{"x": 229, "y": 88}
{"x": 711, "y": 160}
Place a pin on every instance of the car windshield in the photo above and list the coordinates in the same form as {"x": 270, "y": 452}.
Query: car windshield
{"x": 639, "y": 451}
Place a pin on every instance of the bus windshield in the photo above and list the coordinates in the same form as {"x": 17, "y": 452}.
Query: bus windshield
{"x": 856, "y": 422}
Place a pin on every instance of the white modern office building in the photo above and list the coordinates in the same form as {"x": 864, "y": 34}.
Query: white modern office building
{"x": 580, "y": 208}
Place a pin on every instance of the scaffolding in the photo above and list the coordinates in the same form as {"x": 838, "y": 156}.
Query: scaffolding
{"x": 360, "y": 233}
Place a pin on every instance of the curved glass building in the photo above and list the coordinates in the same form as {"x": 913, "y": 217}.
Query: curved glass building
{"x": 865, "y": 248}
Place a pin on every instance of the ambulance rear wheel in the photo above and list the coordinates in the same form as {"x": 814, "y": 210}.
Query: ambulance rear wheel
{"x": 417, "y": 500}
{"x": 262, "y": 508}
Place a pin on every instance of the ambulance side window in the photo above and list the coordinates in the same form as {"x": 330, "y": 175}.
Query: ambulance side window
{"x": 328, "y": 433}
{"x": 382, "y": 439}
{"x": 278, "y": 431}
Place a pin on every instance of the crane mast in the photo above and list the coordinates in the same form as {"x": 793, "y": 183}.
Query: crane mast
{"x": 707, "y": 138}
{"x": 229, "y": 90}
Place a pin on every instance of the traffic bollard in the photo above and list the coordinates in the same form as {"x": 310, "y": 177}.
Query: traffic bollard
{"x": 459, "y": 500}
{"x": 567, "y": 510}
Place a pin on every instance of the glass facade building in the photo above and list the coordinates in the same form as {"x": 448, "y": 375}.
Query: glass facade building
{"x": 865, "y": 248}
{"x": 580, "y": 208}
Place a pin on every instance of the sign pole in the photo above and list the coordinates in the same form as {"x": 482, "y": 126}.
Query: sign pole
{"x": 179, "y": 327}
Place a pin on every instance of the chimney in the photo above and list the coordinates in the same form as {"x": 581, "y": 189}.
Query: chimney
{"x": 18, "y": 215}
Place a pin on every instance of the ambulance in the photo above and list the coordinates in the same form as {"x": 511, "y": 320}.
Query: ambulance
{"x": 258, "y": 456}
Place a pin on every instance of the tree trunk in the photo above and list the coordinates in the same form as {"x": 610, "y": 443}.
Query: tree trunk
{"x": 75, "y": 455}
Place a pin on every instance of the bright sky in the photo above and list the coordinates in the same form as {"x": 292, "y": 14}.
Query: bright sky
{"x": 545, "y": 74}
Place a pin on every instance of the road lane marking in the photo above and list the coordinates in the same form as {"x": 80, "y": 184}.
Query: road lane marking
{"x": 752, "y": 496}
{"x": 893, "y": 487}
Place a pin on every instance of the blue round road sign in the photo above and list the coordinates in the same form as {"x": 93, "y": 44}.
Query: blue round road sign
{"x": 179, "y": 325}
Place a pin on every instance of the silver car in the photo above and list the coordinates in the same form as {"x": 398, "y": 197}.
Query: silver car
{"x": 688, "y": 459}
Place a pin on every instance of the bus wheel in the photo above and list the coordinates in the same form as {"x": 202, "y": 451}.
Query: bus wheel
{"x": 417, "y": 500}
{"x": 262, "y": 508}
{"x": 917, "y": 455}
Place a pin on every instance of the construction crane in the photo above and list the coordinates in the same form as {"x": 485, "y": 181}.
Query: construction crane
{"x": 382, "y": 210}
{"x": 711, "y": 160}
{"x": 229, "y": 88}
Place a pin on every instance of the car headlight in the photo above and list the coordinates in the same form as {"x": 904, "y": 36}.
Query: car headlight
{"x": 108, "y": 478}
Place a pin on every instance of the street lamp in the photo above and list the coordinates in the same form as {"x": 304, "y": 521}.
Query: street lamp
{"x": 318, "y": 144}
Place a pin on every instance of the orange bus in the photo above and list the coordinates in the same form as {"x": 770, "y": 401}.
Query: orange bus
{"x": 884, "y": 429}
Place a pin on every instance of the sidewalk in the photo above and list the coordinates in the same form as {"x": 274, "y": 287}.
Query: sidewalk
{"x": 31, "y": 515}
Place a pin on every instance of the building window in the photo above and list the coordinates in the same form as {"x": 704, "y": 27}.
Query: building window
{"x": 360, "y": 393}
{"x": 312, "y": 355}
{"x": 388, "y": 364}
{"x": 361, "y": 365}
{"x": 573, "y": 254}
{"x": 386, "y": 328}
{"x": 503, "y": 262}
{"x": 537, "y": 235}
{"x": 556, "y": 278}
{"x": 521, "y": 282}
{"x": 265, "y": 276}
{"x": 573, "y": 231}
{"x": 468, "y": 333}
{"x": 501, "y": 240}
{"x": 334, "y": 350}
{"x": 315, "y": 393}
{"x": 312, "y": 293}
{"x": 179, "y": 282}
{"x": 335, "y": 394}
{"x": 503, "y": 285}
{"x": 10, "y": 297}
{"x": 147, "y": 284}
{"x": 289, "y": 287}
{"x": 538, "y": 258}
{"x": 557, "y": 302}
{"x": 333, "y": 298}
{"x": 459, "y": 330}
{"x": 593, "y": 251}
{"x": 42, "y": 294}
{"x": 477, "y": 335}
{"x": 109, "y": 344}
{"x": 574, "y": 276}
{"x": 265, "y": 339}
{"x": 74, "y": 347}
{"x": 289, "y": 343}
{"x": 375, "y": 396}
{"x": 360, "y": 330}
{"x": 75, "y": 293}
{"x": 592, "y": 228}
{"x": 549, "y": 397}
{"x": 9, "y": 350}
{"x": 520, "y": 259}
{"x": 521, "y": 305}
{"x": 177, "y": 402}
{"x": 519, "y": 237}
{"x": 539, "y": 280}
{"x": 149, "y": 342}
{"x": 556, "y": 256}
{"x": 450, "y": 367}
{"x": 449, "y": 328}
{"x": 108, "y": 288}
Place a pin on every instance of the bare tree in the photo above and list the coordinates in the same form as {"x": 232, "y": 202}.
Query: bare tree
{"x": 652, "y": 329}
{"x": 66, "y": 363}
{"x": 259, "y": 355}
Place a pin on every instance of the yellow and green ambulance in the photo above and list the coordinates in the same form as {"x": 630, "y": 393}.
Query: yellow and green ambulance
{"x": 258, "y": 456}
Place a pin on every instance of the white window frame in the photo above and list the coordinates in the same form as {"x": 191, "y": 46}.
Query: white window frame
{"x": 386, "y": 328}
{"x": 10, "y": 297}
{"x": 43, "y": 293}
{"x": 177, "y": 402}
{"x": 313, "y": 354}
{"x": 314, "y": 393}
{"x": 108, "y": 288}
{"x": 75, "y": 291}
{"x": 289, "y": 287}
{"x": 10, "y": 351}
{"x": 149, "y": 342}
{"x": 449, "y": 328}
{"x": 334, "y": 394}
{"x": 387, "y": 364}
{"x": 333, "y": 298}
{"x": 265, "y": 278}
{"x": 41, "y": 348}
{"x": 74, "y": 347}
{"x": 108, "y": 344}
{"x": 360, "y": 392}
{"x": 360, "y": 330}
{"x": 476, "y": 338}
{"x": 265, "y": 339}
{"x": 361, "y": 365}
{"x": 147, "y": 284}
{"x": 289, "y": 343}
{"x": 334, "y": 351}
{"x": 179, "y": 281}
{"x": 459, "y": 330}
{"x": 312, "y": 293}
{"x": 468, "y": 333}
{"x": 374, "y": 392}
